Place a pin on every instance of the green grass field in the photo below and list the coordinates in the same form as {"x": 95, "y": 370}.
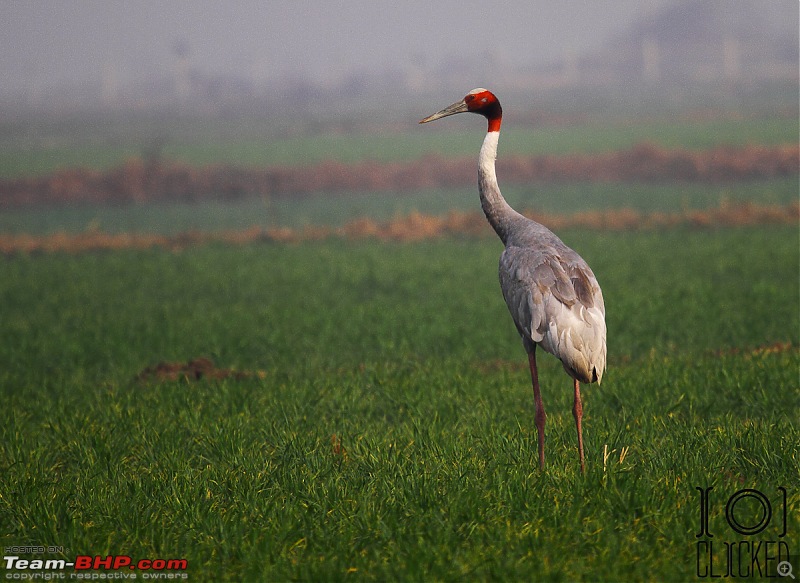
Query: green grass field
{"x": 32, "y": 148}
{"x": 336, "y": 209}
{"x": 404, "y": 353}
{"x": 382, "y": 426}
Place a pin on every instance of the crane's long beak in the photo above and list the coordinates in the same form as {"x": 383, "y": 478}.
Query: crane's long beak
{"x": 459, "y": 107}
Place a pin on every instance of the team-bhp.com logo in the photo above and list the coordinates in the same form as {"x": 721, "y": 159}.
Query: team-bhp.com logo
{"x": 90, "y": 567}
{"x": 752, "y": 540}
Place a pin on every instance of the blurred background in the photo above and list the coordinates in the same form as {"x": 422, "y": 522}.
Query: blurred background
{"x": 221, "y": 58}
{"x": 146, "y": 88}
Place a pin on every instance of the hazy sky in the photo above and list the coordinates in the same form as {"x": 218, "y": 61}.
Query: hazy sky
{"x": 47, "y": 42}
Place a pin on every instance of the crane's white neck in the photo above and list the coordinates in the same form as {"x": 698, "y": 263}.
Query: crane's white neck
{"x": 498, "y": 212}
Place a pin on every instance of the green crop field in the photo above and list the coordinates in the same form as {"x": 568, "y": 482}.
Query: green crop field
{"x": 33, "y": 148}
{"x": 368, "y": 414}
{"x": 382, "y": 426}
{"x": 335, "y": 209}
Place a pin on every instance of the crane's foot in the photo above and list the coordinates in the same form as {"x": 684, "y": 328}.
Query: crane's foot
{"x": 540, "y": 421}
{"x": 577, "y": 412}
{"x": 540, "y": 416}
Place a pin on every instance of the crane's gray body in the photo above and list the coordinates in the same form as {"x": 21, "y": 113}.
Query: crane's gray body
{"x": 551, "y": 293}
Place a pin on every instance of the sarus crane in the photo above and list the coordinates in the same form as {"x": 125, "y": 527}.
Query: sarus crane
{"x": 551, "y": 292}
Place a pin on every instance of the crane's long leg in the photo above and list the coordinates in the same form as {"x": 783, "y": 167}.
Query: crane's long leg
{"x": 540, "y": 416}
{"x": 577, "y": 412}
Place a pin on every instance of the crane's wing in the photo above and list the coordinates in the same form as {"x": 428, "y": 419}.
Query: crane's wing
{"x": 556, "y": 302}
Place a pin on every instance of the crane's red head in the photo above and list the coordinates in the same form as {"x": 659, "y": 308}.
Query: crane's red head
{"x": 477, "y": 101}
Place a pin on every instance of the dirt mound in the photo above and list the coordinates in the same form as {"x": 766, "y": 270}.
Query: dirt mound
{"x": 142, "y": 181}
{"x": 193, "y": 370}
{"x": 774, "y": 348}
